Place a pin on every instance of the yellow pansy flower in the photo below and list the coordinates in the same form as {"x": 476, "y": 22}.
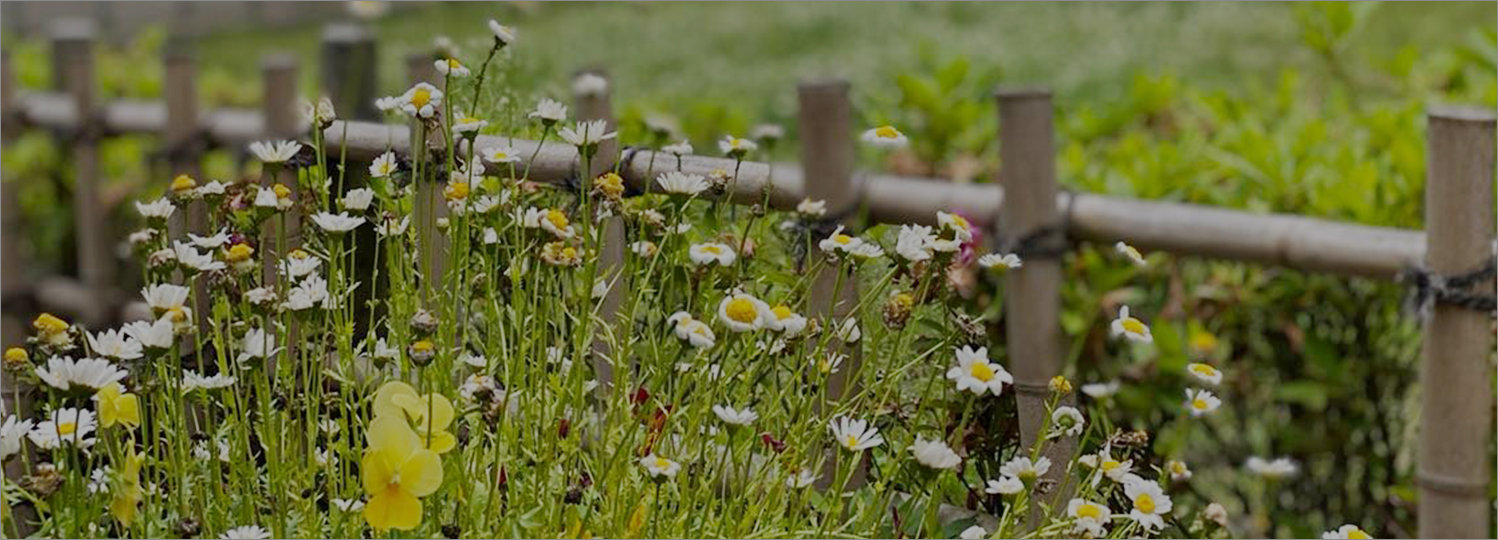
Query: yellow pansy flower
{"x": 117, "y": 406}
{"x": 397, "y": 471}
{"x": 428, "y": 415}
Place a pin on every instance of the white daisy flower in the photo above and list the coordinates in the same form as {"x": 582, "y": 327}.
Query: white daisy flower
{"x": 848, "y": 331}
{"x": 64, "y": 427}
{"x": 1275, "y": 469}
{"x": 961, "y": 229}
{"x": 465, "y": 124}
{"x": 1005, "y": 485}
{"x": 914, "y": 242}
{"x": 767, "y": 132}
{"x": 422, "y": 100}
{"x": 743, "y": 313}
{"x": 1178, "y": 470}
{"x": 1148, "y": 503}
{"x": 708, "y": 253}
{"x": 212, "y": 188}
{"x": 383, "y": 350}
{"x": 555, "y": 222}
{"x": 1201, "y": 402}
{"x": 337, "y": 223}
{"x": 491, "y": 236}
{"x": 679, "y": 183}
{"x": 1091, "y": 518}
{"x": 1067, "y": 421}
{"x": 735, "y": 147}
{"x": 786, "y": 321}
{"x": 11, "y": 433}
{"x": 934, "y": 453}
{"x": 158, "y": 209}
{"x": 1100, "y": 390}
{"x": 644, "y": 248}
{"x": 155, "y": 335}
{"x": 1131, "y": 328}
{"x": 1000, "y": 261}
{"x": 1346, "y": 532}
{"x": 191, "y": 380}
{"x": 549, "y": 111}
{"x": 1204, "y": 373}
{"x": 451, "y": 67}
{"x": 1024, "y": 469}
{"x": 735, "y": 417}
{"x": 837, "y": 242}
{"x": 828, "y": 364}
{"x": 247, "y": 532}
{"x": 973, "y": 533}
{"x": 473, "y": 360}
{"x": 348, "y": 505}
{"x": 885, "y": 137}
{"x": 800, "y": 478}
{"x": 358, "y": 200}
{"x": 274, "y": 151}
{"x": 504, "y": 34}
{"x": 311, "y": 292}
{"x": 1132, "y": 254}
{"x": 1111, "y": 468}
{"x": 694, "y": 332}
{"x": 98, "y": 482}
{"x": 812, "y": 208}
{"x": 210, "y": 242}
{"x": 659, "y": 468}
{"x": 190, "y": 257}
{"x": 589, "y": 84}
{"x": 976, "y": 374}
{"x": 257, "y": 343}
{"x": 500, "y": 154}
{"x": 587, "y": 134}
{"x": 270, "y": 197}
{"x": 854, "y": 435}
{"x": 393, "y": 227}
{"x": 299, "y": 263}
{"x": 87, "y": 374}
{"x": 388, "y": 104}
{"x": 384, "y": 165}
{"x": 115, "y": 344}
{"x": 683, "y": 148}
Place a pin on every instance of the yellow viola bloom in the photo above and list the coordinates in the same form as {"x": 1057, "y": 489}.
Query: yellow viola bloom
{"x": 116, "y": 406}
{"x": 397, "y": 472}
{"x": 428, "y": 415}
{"x": 128, "y": 493}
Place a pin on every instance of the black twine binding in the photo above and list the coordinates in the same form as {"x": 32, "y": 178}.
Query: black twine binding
{"x": 1045, "y": 242}
{"x": 1427, "y": 288}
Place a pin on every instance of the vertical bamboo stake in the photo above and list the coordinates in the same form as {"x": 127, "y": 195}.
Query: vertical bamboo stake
{"x": 348, "y": 70}
{"x": 1032, "y": 293}
{"x": 827, "y": 156}
{"x": 595, "y": 105}
{"x": 73, "y": 57}
{"x": 279, "y": 75}
{"x": 432, "y": 243}
{"x": 1457, "y": 397}
{"x": 183, "y": 156}
{"x": 12, "y": 322}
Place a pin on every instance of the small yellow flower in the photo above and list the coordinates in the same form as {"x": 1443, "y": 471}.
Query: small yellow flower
{"x": 116, "y": 406}
{"x": 611, "y": 185}
{"x": 456, "y": 191}
{"x": 1203, "y": 343}
{"x": 281, "y": 191}
{"x": 397, "y": 471}
{"x": 16, "y": 356}
{"x": 560, "y": 254}
{"x": 1060, "y": 385}
{"x": 239, "y": 253}
{"x": 429, "y": 415}
{"x": 183, "y": 184}
{"x": 127, "y": 494}
{"x": 52, "y": 330}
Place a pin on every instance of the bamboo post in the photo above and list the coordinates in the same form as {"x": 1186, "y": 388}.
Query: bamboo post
{"x": 595, "y": 105}
{"x": 73, "y": 72}
{"x": 1032, "y": 293}
{"x": 827, "y": 153}
{"x": 348, "y": 70}
{"x": 278, "y": 113}
{"x": 181, "y": 137}
{"x": 13, "y": 285}
{"x": 1457, "y": 398}
{"x": 432, "y": 243}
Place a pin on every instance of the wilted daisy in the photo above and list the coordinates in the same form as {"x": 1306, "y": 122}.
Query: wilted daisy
{"x": 1005, "y": 485}
{"x": 357, "y": 200}
{"x": 659, "y": 468}
{"x": 1130, "y": 253}
{"x": 451, "y": 67}
{"x": 735, "y": 417}
{"x": 1204, "y": 373}
{"x": 191, "y": 380}
{"x": 679, "y": 183}
{"x": 1101, "y": 390}
{"x": 247, "y": 532}
{"x": 1025, "y": 469}
{"x": 735, "y": 147}
{"x": 11, "y": 433}
{"x": 742, "y": 312}
{"x": 1200, "y": 402}
{"x": 693, "y": 331}
{"x": 393, "y": 227}
{"x": 708, "y": 253}
{"x": 158, "y": 209}
{"x": 847, "y": 331}
{"x": 885, "y": 137}
{"x": 87, "y": 374}
{"x": 975, "y": 373}
{"x": 558, "y": 253}
{"x": 64, "y": 427}
{"x": 154, "y": 335}
{"x": 1275, "y": 469}
{"x": 1067, "y": 421}
{"x": 384, "y": 165}
{"x": 422, "y": 100}
{"x": 998, "y": 261}
{"x": 1131, "y": 328}
{"x": 257, "y": 344}
{"x": 1178, "y": 470}
{"x": 854, "y": 435}
{"x": 1090, "y": 517}
{"x": 549, "y": 111}
{"x": 586, "y": 135}
{"x": 503, "y": 35}
{"x": 337, "y": 223}
{"x": 1346, "y": 532}
{"x": 683, "y": 148}
{"x": 934, "y": 453}
{"x": 1148, "y": 503}
{"x": 275, "y": 151}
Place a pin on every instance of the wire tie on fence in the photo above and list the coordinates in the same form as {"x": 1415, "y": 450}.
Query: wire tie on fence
{"x": 1428, "y": 287}
{"x": 1451, "y": 485}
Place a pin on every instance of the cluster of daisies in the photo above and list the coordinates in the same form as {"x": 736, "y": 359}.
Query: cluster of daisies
{"x": 309, "y": 367}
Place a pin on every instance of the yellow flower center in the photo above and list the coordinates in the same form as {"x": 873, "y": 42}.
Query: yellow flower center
{"x": 48, "y": 324}
{"x": 500, "y": 156}
{"x": 177, "y": 314}
{"x": 960, "y": 222}
{"x": 183, "y": 183}
{"x": 1133, "y": 326}
{"x": 1089, "y": 511}
{"x": 1177, "y": 467}
{"x": 67, "y": 428}
{"x": 1110, "y": 464}
{"x": 842, "y": 239}
{"x": 16, "y": 355}
{"x": 1204, "y": 370}
{"x": 982, "y": 371}
{"x": 281, "y": 191}
{"x": 1203, "y": 341}
{"x": 851, "y": 441}
{"x": 557, "y": 219}
{"x": 1358, "y": 533}
{"x": 569, "y": 253}
{"x": 741, "y": 310}
{"x": 1144, "y": 503}
{"x": 297, "y": 254}
{"x": 456, "y": 190}
{"x": 239, "y": 253}
{"x": 782, "y": 312}
{"x": 661, "y": 463}
{"x": 452, "y": 63}
{"x": 421, "y": 97}
{"x": 423, "y": 346}
{"x": 1199, "y": 404}
{"x": 715, "y": 250}
{"x": 886, "y": 132}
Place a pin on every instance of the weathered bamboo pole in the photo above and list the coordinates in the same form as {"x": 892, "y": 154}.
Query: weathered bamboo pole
{"x": 1289, "y": 240}
{"x": 432, "y": 244}
{"x": 14, "y": 282}
{"x": 1032, "y": 293}
{"x": 825, "y": 119}
{"x": 279, "y": 117}
{"x": 596, "y": 104}
{"x": 184, "y": 152}
{"x": 1456, "y": 424}
{"x": 73, "y": 65}
{"x": 349, "y": 75}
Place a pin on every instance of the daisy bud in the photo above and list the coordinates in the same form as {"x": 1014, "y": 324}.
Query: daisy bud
{"x": 16, "y": 359}
{"x": 1060, "y": 385}
{"x": 897, "y": 309}
{"x": 183, "y": 187}
{"x": 423, "y": 322}
{"x": 422, "y": 352}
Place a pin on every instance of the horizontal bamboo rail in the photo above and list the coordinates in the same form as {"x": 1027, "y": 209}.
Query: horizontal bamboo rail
{"x": 1280, "y": 239}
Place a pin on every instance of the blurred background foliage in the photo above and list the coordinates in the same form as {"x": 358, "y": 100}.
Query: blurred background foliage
{"x": 1314, "y": 109}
